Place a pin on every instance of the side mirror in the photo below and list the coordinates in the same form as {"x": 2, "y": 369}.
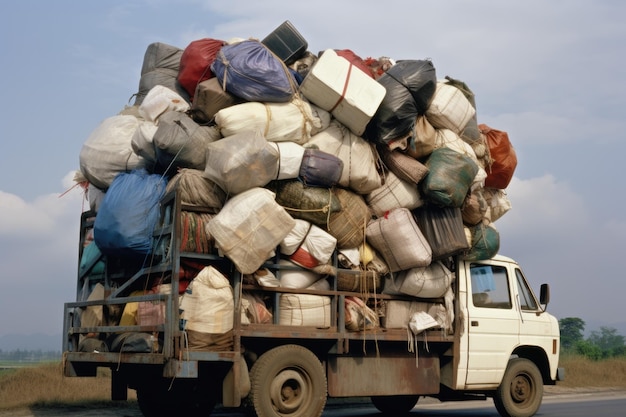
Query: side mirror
{"x": 544, "y": 295}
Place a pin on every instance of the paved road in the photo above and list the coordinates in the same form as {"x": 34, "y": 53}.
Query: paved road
{"x": 571, "y": 403}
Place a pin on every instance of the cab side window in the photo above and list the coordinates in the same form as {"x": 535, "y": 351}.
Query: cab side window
{"x": 490, "y": 286}
{"x": 526, "y": 298}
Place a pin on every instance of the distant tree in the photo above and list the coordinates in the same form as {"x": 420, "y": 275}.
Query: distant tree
{"x": 588, "y": 350}
{"x": 572, "y": 329}
{"x": 608, "y": 341}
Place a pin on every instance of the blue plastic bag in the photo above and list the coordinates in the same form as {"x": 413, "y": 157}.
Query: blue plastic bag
{"x": 129, "y": 213}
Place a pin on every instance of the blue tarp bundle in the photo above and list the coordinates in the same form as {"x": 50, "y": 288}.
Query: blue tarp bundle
{"x": 249, "y": 70}
{"x": 129, "y": 213}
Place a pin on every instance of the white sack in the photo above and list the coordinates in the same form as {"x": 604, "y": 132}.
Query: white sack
{"x": 424, "y": 282}
{"x": 294, "y": 238}
{"x": 108, "y": 151}
{"x": 295, "y": 121}
{"x": 290, "y": 158}
{"x": 240, "y": 162}
{"x": 304, "y": 310}
{"x": 360, "y": 159}
{"x": 207, "y": 304}
{"x": 159, "y": 100}
{"x": 249, "y": 227}
{"x": 449, "y": 108}
{"x": 394, "y": 193}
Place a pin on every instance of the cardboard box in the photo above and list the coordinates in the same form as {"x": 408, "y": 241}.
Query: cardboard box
{"x": 348, "y": 93}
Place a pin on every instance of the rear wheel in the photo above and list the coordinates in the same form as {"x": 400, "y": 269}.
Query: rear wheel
{"x": 288, "y": 381}
{"x": 394, "y": 405}
{"x": 521, "y": 390}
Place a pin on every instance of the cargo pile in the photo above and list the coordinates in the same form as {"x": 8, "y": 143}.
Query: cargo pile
{"x": 301, "y": 155}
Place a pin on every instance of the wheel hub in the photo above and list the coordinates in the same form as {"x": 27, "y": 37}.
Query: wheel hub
{"x": 288, "y": 391}
{"x": 520, "y": 389}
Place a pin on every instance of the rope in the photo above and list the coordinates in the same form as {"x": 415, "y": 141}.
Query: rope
{"x": 345, "y": 88}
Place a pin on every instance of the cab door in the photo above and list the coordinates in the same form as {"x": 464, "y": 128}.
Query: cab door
{"x": 536, "y": 329}
{"x": 493, "y": 328}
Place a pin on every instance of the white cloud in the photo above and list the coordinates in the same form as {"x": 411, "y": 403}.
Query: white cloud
{"x": 543, "y": 206}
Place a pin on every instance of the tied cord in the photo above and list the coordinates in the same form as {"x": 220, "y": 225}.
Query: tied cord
{"x": 345, "y": 88}
{"x": 325, "y": 209}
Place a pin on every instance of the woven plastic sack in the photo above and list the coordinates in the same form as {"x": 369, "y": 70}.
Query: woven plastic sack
{"x": 394, "y": 193}
{"x": 450, "y": 175}
{"x": 195, "y": 190}
{"x": 360, "y": 169}
{"x": 348, "y": 223}
{"x": 252, "y": 72}
{"x": 159, "y": 100}
{"x": 399, "y": 240}
{"x": 108, "y": 151}
{"x": 484, "y": 242}
{"x": 316, "y": 248}
{"x": 304, "y": 310}
{"x": 240, "y": 162}
{"x": 449, "y": 108}
{"x": 431, "y": 281}
{"x": 207, "y": 306}
{"x": 403, "y": 166}
{"x": 314, "y": 204}
{"x": 358, "y": 315}
{"x": 249, "y": 228}
{"x": 498, "y": 203}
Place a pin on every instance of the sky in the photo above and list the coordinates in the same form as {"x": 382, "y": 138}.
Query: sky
{"x": 550, "y": 74}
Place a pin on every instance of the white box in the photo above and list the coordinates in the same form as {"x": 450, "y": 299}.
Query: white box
{"x": 338, "y": 86}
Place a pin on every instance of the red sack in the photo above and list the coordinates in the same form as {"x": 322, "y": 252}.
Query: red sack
{"x": 195, "y": 63}
{"x": 503, "y": 158}
{"x": 355, "y": 60}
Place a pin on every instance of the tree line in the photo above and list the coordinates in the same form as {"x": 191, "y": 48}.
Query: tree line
{"x": 601, "y": 344}
{"x": 22, "y": 355}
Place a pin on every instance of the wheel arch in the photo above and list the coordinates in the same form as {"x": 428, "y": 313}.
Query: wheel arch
{"x": 538, "y": 356}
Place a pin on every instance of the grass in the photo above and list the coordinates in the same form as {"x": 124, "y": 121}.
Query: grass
{"x": 583, "y": 372}
{"x": 45, "y": 386}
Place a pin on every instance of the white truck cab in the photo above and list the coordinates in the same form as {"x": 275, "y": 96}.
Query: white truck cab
{"x": 508, "y": 344}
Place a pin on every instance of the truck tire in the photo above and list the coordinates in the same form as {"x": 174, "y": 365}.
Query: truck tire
{"x": 288, "y": 381}
{"x": 521, "y": 391}
{"x": 164, "y": 397}
{"x": 394, "y": 405}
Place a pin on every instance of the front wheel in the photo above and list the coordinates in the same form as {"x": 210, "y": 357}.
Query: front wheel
{"x": 521, "y": 390}
{"x": 394, "y": 405}
{"x": 288, "y": 381}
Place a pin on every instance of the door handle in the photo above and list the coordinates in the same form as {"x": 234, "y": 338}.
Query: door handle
{"x": 474, "y": 323}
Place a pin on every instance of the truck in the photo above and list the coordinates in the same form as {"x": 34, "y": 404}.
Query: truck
{"x": 501, "y": 343}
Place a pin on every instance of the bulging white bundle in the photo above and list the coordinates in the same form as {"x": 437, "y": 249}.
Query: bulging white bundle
{"x": 449, "y": 108}
{"x": 360, "y": 161}
{"x": 108, "y": 151}
{"x": 295, "y": 121}
{"x": 159, "y": 100}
